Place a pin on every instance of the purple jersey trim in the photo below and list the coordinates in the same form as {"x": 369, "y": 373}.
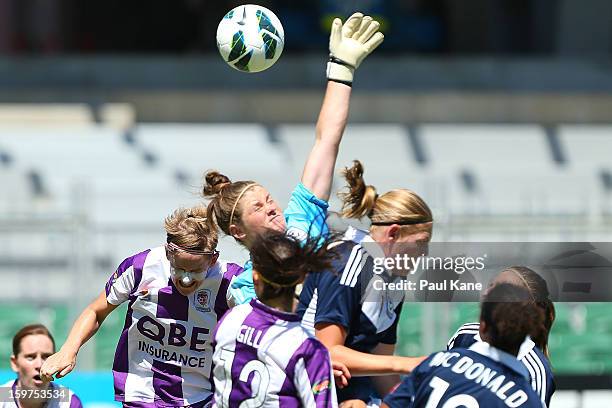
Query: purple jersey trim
{"x": 137, "y": 261}
{"x": 275, "y": 314}
{"x": 171, "y": 304}
{"x": 121, "y": 362}
{"x": 167, "y": 383}
{"x": 75, "y": 402}
{"x": 221, "y": 306}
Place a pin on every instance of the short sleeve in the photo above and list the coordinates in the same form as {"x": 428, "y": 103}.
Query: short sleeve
{"x": 242, "y": 289}
{"x": 313, "y": 377}
{"x": 126, "y": 279}
{"x": 390, "y": 335}
{"x": 464, "y": 337}
{"x": 306, "y": 215}
{"x": 336, "y": 302}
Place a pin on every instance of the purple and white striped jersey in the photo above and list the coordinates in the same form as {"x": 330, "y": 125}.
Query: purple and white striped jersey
{"x": 66, "y": 398}
{"x": 264, "y": 358}
{"x": 164, "y": 354}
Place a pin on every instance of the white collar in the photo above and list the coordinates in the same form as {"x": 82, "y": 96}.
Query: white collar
{"x": 362, "y": 237}
{"x": 485, "y": 349}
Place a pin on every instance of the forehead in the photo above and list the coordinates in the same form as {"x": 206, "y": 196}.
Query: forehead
{"x": 256, "y": 193}
{"x": 419, "y": 236}
{"x": 36, "y": 343}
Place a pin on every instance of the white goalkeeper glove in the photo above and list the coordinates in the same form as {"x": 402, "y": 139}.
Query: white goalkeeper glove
{"x": 349, "y": 44}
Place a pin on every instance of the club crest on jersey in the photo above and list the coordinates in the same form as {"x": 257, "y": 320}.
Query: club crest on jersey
{"x": 297, "y": 234}
{"x": 202, "y": 300}
{"x": 320, "y": 387}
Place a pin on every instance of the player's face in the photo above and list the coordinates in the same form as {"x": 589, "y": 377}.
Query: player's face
{"x": 260, "y": 213}
{"x": 35, "y": 349}
{"x": 188, "y": 270}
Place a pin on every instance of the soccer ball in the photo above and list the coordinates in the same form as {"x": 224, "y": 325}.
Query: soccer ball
{"x": 250, "y": 38}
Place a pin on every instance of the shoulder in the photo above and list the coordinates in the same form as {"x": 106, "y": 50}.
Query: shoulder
{"x": 8, "y": 384}
{"x": 75, "y": 401}
{"x": 311, "y": 347}
{"x": 465, "y": 336}
{"x": 232, "y": 319}
{"x": 230, "y": 269}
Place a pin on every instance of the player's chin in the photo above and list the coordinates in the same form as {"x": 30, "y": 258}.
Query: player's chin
{"x": 186, "y": 290}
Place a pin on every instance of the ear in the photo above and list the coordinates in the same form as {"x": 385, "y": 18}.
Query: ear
{"x": 393, "y": 232}
{"x": 255, "y": 277}
{"x": 483, "y": 331}
{"x": 14, "y": 366}
{"x": 214, "y": 258}
{"x": 237, "y": 232}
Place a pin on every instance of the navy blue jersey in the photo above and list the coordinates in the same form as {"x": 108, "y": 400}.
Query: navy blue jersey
{"x": 345, "y": 295}
{"x": 537, "y": 365}
{"x": 479, "y": 377}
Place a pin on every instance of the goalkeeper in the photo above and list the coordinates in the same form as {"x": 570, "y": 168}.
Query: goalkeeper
{"x": 245, "y": 209}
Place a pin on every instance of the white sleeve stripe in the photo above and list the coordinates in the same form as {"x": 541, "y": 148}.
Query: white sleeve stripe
{"x": 357, "y": 273}
{"x": 303, "y": 384}
{"x": 532, "y": 374}
{"x": 451, "y": 342}
{"x": 536, "y": 376}
{"x": 536, "y": 358}
{"x": 348, "y": 268}
{"x": 535, "y": 362}
{"x": 351, "y": 266}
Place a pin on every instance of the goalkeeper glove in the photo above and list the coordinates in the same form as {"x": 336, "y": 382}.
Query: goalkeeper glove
{"x": 349, "y": 44}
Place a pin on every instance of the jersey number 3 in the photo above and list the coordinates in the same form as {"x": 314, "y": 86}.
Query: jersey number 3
{"x": 439, "y": 388}
{"x": 259, "y": 384}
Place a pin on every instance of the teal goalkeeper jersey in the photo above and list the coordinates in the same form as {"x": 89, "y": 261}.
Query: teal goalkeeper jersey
{"x": 305, "y": 216}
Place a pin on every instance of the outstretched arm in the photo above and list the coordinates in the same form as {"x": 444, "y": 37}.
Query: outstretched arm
{"x": 88, "y": 323}
{"x": 349, "y": 45}
{"x": 359, "y": 364}
{"x": 319, "y": 169}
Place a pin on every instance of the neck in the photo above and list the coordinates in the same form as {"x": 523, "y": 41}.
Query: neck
{"x": 283, "y": 304}
{"x": 30, "y": 402}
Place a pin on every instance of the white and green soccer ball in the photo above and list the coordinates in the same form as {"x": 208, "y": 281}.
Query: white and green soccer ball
{"x": 250, "y": 38}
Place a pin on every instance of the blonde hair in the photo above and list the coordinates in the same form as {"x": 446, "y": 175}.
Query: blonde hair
{"x": 189, "y": 228}
{"x": 399, "y": 206}
{"x": 223, "y": 208}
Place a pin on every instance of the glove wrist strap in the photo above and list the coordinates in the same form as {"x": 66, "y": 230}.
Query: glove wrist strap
{"x": 340, "y": 71}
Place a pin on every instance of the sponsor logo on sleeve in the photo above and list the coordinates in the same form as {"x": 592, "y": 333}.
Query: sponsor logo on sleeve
{"x": 320, "y": 387}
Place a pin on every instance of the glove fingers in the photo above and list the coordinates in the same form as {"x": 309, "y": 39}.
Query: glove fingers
{"x": 336, "y": 32}
{"x": 352, "y": 24}
{"x": 369, "y": 31}
{"x": 365, "y": 23}
{"x": 374, "y": 42}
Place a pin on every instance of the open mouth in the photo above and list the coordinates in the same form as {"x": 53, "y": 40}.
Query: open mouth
{"x": 37, "y": 379}
{"x": 183, "y": 286}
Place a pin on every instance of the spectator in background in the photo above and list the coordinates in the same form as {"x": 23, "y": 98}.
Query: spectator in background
{"x": 31, "y": 346}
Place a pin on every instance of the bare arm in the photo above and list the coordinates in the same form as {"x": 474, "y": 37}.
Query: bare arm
{"x": 333, "y": 337}
{"x": 319, "y": 169}
{"x": 86, "y": 325}
{"x": 384, "y": 384}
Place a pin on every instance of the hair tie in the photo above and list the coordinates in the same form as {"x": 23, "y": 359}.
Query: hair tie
{"x": 287, "y": 285}
{"x": 231, "y": 220}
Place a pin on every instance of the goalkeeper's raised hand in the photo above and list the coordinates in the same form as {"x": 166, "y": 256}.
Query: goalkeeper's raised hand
{"x": 349, "y": 44}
